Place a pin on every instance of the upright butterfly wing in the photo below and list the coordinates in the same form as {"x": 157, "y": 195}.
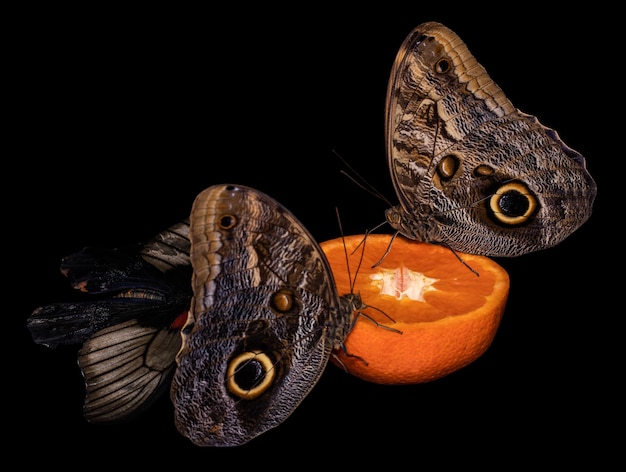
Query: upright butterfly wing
{"x": 264, "y": 318}
{"x": 470, "y": 170}
{"x": 131, "y": 332}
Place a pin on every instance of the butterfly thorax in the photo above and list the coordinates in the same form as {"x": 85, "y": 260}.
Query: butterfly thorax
{"x": 349, "y": 305}
{"x": 421, "y": 229}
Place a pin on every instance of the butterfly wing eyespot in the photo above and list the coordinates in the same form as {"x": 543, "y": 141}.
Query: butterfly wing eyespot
{"x": 443, "y": 66}
{"x": 513, "y": 204}
{"x": 483, "y": 170}
{"x": 249, "y": 374}
{"x": 227, "y": 221}
{"x": 448, "y": 167}
{"x": 283, "y": 301}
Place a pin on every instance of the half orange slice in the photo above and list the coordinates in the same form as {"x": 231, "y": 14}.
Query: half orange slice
{"x": 428, "y": 314}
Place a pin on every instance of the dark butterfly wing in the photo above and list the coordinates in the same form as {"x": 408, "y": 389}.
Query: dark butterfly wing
{"x": 264, "y": 318}
{"x": 470, "y": 170}
{"x": 74, "y": 322}
{"x": 130, "y": 331}
{"x": 126, "y": 366}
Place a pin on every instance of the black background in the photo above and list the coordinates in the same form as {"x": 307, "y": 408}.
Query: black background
{"x": 124, "y": 116}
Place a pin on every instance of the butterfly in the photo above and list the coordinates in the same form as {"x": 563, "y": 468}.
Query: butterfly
{"x": 240, "y": 346}
{"x": 470, "y": 170}
{"x": 263, "y": 322}
{"x": 129, "y": 327}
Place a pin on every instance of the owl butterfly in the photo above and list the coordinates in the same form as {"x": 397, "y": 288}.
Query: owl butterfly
{"x": 256, "y": 331}
{"x": 470, "y": 170}
{"x": 264, "y": 318}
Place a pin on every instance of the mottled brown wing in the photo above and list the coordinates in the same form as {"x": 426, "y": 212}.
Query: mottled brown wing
{"x": 470, "y": 170}
{"x": 264, "y": 318}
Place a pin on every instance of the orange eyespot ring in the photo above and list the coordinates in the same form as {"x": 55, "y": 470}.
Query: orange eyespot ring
{"x": 250, "y": 374}
{"x": 227, "y": 221}
{"x": 513, "y": 203}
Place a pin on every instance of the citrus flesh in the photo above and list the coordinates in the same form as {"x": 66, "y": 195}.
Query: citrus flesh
{"x": 428, "y": 314}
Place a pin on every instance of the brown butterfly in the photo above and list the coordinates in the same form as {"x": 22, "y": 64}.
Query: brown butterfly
{"x": 470, "y": 170}
{"x": 241, "y": 339}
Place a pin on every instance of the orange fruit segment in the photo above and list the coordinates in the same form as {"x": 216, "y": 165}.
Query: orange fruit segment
{"x": 427, "y": 314}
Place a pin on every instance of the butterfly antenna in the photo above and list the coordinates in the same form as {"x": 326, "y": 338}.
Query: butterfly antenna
{"x": 345, "y": 251}
{"x": 360, "y": 181}
{"x": 368, "y": 232}
{"x": 358, "y": 267}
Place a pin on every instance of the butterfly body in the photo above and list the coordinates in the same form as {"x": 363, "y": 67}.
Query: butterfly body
{"x": 472, "y": 171}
